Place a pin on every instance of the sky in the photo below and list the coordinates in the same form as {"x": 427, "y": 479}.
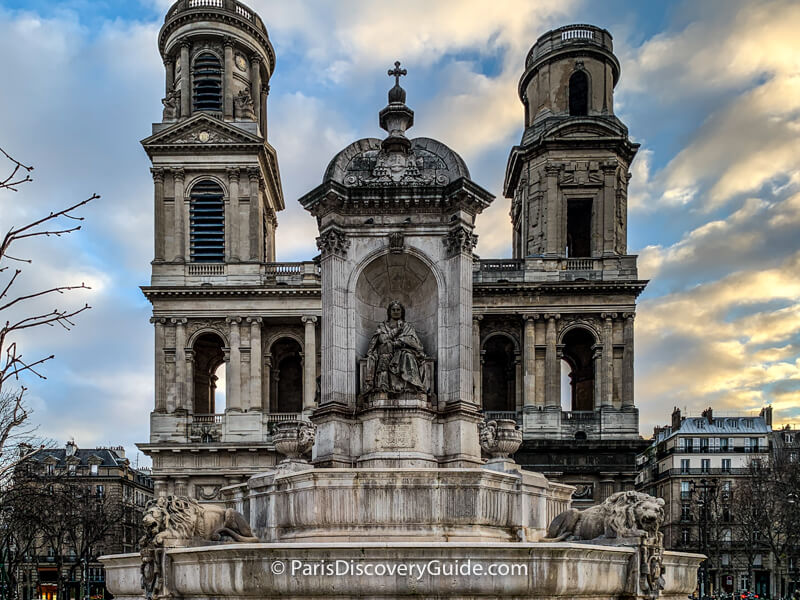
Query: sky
{"x": 711, "y": 91}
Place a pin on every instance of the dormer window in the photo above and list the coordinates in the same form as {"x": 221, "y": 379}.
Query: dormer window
{"x": 207, "y": 83}
{"x": 579, "y": 94}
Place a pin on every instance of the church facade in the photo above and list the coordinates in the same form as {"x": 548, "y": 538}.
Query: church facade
{"x": 544, "y": 338}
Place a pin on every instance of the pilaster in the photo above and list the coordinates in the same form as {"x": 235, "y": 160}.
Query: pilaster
{"x": 256, "y": 364}
{"x": 309, "y": 363}
{"x": 186, "y": 82}
{"x": 233, "y": 378}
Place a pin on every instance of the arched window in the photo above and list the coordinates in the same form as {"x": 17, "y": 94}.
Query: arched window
{"x": 498, "y": 384}
{"x": 579, "y": 94}
{"x": 207, "y": 222}
{"x": 286, "y": 391}
{"x": 207, "y": 83}
{"x": 577, "y": 392}
{"x": 209, "y": 361}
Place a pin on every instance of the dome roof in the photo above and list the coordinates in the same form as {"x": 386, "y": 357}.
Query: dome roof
{"x": 366, "y": 163}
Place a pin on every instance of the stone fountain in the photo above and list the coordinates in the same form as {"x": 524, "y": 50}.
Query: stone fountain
{"x": 408, "y": 491}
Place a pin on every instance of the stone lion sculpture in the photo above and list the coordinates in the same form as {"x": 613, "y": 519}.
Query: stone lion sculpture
{"x": 624, "y": 514}
{"x": 183, "y": 518}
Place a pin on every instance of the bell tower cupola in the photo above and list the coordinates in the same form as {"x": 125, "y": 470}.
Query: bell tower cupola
{"x": 568, "y": 178}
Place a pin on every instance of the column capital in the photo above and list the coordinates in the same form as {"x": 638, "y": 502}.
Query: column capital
{"x": 233, "y": 173}
{"x": 608, "y": 316}
{"x": 232, "y": 320}
{"x": 168, "y": 60}
{"x": 254, "y": 320}
{"x": 265, "y": 89}
{"x": 228, "y": 41}
{"x": 629, "y": 316}
{"x": 186, "y": 44}
{"x": 530, "y": 317}
{"x": 477, "y": 317}
{"x": 552, "y": 316}
{"x": 308, "y": 319}
{"x": 158, "y": 320}
{"x": 158, "y": 174}
{"x": 254, "y": 173}
{"x": 609, "y": 167}
{"x": 255, "y": 59}
{"x": 552, "y": 169}
{"x": 179, "y": 173}
{"x": 179, "y": 321}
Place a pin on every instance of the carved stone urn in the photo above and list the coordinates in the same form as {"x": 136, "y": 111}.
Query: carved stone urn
{"x": 499, "y": 438}
{"x": 293, "y": 439}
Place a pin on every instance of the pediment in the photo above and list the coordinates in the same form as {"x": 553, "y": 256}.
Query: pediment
{"x": 201, "y": 130}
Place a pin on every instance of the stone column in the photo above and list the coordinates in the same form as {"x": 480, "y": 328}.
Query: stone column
{"x": 477, "y": 372}
{"x": 169, "y": 72}
{"x": 186, "y": 82}
{"x": 529, "y": 354}
{"x": 160, "y": 388}
{"x": 609, "y": 207}
{"x": 227, "y": 99}
{"x": 540, "y": 363}
{"x": 627, "y": 360}
{"x": 608, "y": 359}
{"x": 255, "y": 363}
{"x": 552, "y": 370}
{"x": 189, "y": 371}
{"x": 233, "y": 377}
{"x": 310, "y": 364}
{"x": 264, "y": 95}
{"x": 518, "y": 383}
{"x": 181, "y": 228}
{"x": 158, "y": 214}
{"x": 181, "y": 485}
{"x": 266, "y": 383}
{"x": 553, "y": 245}
{"x": 255, "y": 87}
{"x": 253, "y": 220}
{"x": 233, "y": 218}
{"x": 160, "y": 487}
{"x": 597, "y": 357}
{"x": 180, "y": 363}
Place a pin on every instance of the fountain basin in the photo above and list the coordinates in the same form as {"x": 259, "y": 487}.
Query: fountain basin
{"x": 531, "y": 570}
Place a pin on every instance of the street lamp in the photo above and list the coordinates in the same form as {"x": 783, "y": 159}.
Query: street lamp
{"x": 707, "y": 490}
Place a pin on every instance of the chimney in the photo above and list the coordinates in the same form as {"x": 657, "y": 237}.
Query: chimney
{"x": 766, "y": 414}
{"x": 676, "y": 419}
{"x": 118, "y": 450}
{"x": 709, "y": 415}
{"x": 72, "y": 448}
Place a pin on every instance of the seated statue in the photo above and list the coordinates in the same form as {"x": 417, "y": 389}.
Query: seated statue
{"x": 394, "y": 356}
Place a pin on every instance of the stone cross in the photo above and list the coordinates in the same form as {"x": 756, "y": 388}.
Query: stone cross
{"x": 397, "y": 72}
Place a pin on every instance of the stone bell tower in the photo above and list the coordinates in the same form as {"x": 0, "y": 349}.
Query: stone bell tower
{"x": 571, "y": 283}
{"x": 217, "y": 193}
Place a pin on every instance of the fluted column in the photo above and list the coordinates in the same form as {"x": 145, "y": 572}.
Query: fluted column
{"x": 518, "y": 382}
{"x": 158, "y": 214}
{"x": 552, "y": 370}
{"x": 169, "y": 75}
{"x": 233, "y": 218}
{"x": 227, "y": 98}
{"x": 180, "y": 363}
{"x": 255, "y": 363}
{"x": 477, "y": 373}
{"x": 233, "y": 377}
{"x": 310, "y": 364}
{"x": 609, "y": 207}
{"x": 553, "y": 246}
{"x": 253, "y": 220}
{"x": 264, "y": 96}
{"x": 627, "y": 360}
{"x": 160, "y": 388}
{"x": 608, "y": 359}
{"x": 186, "y": 82}
{"x": 178, "y": 235}
{"x": 255, "y": 88}
{"x": 529, "y": 355}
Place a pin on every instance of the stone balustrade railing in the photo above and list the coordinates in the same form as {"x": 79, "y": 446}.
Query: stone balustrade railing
{"x": 229, "y": 6}
{"x": 569, "y": 35}
{"x": 541, "y": 268}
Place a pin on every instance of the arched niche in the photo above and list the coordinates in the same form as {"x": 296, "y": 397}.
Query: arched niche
{"x": 498, "y": 373}
{"x": 579, "y": 374}
{"x": 286, "y": 387}
{"x": 407, "y": 279}
{"x": 207, "y": 356}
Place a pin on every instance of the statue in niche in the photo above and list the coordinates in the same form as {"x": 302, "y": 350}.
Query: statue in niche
{"x": 245, "y": 107}
{"x": 394, "y": 356}
{"x": 171, "y": 105}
